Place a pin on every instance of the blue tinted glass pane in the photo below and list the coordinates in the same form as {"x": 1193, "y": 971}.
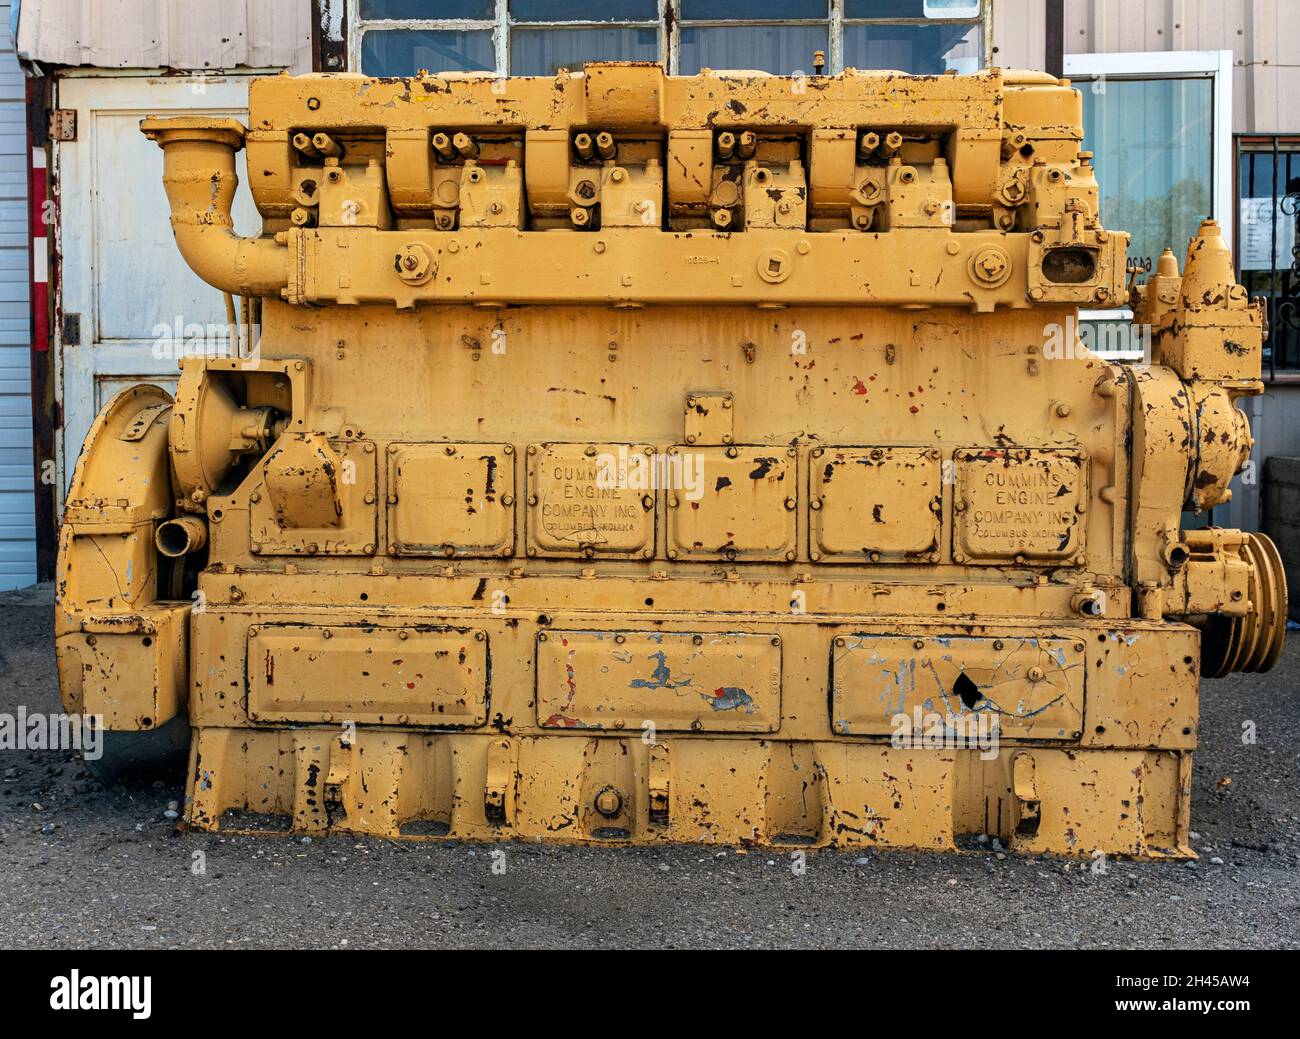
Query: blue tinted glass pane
{"x": 1151, "y": 142}
{"x": 708, "y": 10}
{"x": 584, "y": 11}
{"x": 543, "y": 52}
{"x": 911, "y": 8}
{"x": 783, "y": 49}
{"x": 428, "y": 10}
{"x": 403, "y": 52}
{"x": 927, "y": 50}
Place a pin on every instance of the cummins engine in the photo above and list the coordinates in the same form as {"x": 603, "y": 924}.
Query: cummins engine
{"x": 621, "y": 457}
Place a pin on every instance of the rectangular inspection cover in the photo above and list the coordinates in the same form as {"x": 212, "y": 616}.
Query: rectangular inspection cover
{"x": 369, "y": 675}
{"x": 1033, "y": 687}
{"x": 677, "y": 681}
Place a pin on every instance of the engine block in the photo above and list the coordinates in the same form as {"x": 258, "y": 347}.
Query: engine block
{"x": 621, "y": 457}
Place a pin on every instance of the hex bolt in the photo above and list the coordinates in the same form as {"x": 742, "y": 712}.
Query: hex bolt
{"x": 609, "y": 802}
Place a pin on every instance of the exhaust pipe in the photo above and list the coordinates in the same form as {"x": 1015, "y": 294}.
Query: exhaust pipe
{"x": 200, "y": 180}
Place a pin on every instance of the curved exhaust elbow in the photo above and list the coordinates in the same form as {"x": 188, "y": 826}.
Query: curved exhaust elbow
{"x": 200, "y": 180}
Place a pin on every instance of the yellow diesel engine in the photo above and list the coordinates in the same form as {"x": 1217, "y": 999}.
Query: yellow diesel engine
{"x": 621, "y": 457}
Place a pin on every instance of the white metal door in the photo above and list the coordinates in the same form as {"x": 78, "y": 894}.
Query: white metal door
{"x": 125, "y": 291}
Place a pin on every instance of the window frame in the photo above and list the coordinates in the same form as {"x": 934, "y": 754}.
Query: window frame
{"x": 668, "y": 26}
{"x": 1214, "y": 65}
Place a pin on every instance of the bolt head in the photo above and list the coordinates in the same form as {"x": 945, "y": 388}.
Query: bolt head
{"x": 609, "y": 802}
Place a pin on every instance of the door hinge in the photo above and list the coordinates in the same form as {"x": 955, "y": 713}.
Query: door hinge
{"x": 63, "y": 124}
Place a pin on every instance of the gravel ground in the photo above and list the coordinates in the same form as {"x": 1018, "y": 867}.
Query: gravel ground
{"x": 90, "y": 867}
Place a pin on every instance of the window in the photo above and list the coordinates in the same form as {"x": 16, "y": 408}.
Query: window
{"x": 1152, "y": 139}
{"x": 539, "y": 37}
{"x": 548, "y": 35}
{"x": 437, "y": 50}
{"x": 1268, "y": 210}
{"x": 759, "y": 35}
{"x": 1159, "y": 126}
{"x": 926, "y": 37}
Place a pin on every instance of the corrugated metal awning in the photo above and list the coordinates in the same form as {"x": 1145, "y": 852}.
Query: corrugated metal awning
{"x": 172, "y": 34}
